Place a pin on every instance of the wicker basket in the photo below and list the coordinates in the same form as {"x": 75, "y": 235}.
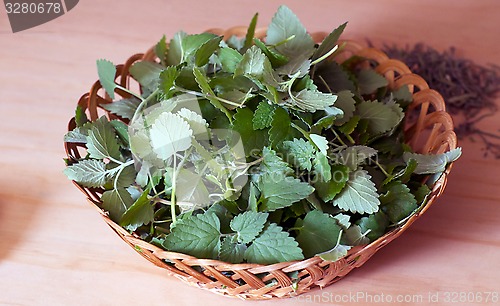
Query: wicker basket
{"x": 428, "y": 128}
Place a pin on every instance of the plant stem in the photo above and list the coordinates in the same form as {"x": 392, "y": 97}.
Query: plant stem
{"x": 129, "y": 92}
{"x": 382, "y": 168}
{"x": 172, "y": 197}
{"x": 144, "y": 103}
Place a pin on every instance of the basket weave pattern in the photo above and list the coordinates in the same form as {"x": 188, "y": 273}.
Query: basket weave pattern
{"x": 428, "y": 129}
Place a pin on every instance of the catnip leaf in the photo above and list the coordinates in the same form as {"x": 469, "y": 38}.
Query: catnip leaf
{"x": 374, "y": 224}
{"x": 206, "y": 50}
{"x": 369, "y": 81}
{"x": 331, "y": 115}
{"x": 140, "y": 213}
{"x": 321, "y": 167}
{"x": 197, "y": 123}
{"x": 80, "y": 117}
{"x": 432, "y": 163}
{"x": 397, "y": 202}
{"x": 231, "y": 251}
{"x": 301, "y": 153}
{"x": 252, "y": 140}
{"x": 280, "y": 127}
{"x": 336, "y": 253}
{"x": 272, "y": 246}
{"x": 252, "y": 63}
{"x": 192, "y": 43}
{"x": 329, "y": 42}
{"x": 101, "y": 141}
{"x": 198, "y": 236}
{"x": 421, "y": 194}
{"x": 248, "y": 225}
{"x": 263, "y": 116}
{"x": 229, "y": 58}
{"x": 332, "y": 77}
{"x": 107, "y": 72}
{"x": 318, "y": 233}
{"x": 76, "y": 136}
{"x": 381, "y": 117}
{"x": 202, "y": 81}
{"x": 170, "y": 134}
{"x": 343, "y": 220}
{"x": 124, "y": 108}
{"x": 284, "y": 25}
{"x": 359, "y": 195}
{"x": 161, "y": 49}
{"x": 121, "y": 130}
{"x": 167, "y": 80}
{"x": 116, "y": 202}
{"x": 250, "y": 32}
{"x": 320, "y": 142}
{"x": 353, "y": 236}
{"x": 126, "y": 177}
{"x": 311, "y": 100}
{"x": 277, "y": 59}
{"x": 347, "y": 104}
{"x": 191, "y": 191}
{"x": 88, "y": 173}
{"x": 403, "y": 94}
{"x": 327, "y": 190}
{"x": 146, "y": 73}
{"x": 279, "y": 191}
{"x": 272, "y": 163}
{"x": 174, "y": 54}
{"x": 354, "y": 156}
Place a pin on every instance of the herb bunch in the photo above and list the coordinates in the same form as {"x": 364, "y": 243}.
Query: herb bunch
{"x": 254, "y": 151}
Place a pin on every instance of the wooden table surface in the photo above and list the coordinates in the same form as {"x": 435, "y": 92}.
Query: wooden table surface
{"x": 56, "y": 250}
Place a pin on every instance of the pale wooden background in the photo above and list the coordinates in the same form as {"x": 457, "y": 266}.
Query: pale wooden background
{"x": 55, "y": 249}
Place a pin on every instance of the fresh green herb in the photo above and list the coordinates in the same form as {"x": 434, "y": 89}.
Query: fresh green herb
{"x": 250, "y": 150}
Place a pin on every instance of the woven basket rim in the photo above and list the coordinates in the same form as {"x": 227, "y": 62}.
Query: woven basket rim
{"x": 157, "y": 255}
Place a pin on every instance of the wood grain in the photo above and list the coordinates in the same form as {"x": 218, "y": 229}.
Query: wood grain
{"x": 55, "y": 249}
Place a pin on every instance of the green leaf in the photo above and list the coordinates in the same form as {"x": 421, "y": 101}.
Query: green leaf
{"x": 279, "y": 191}
{"x": 174, "y": 54}
{"x": 343, "y": 220}
{"x": 202, "y": 81}
{"x": 250, "y": 32}
{"x": 353, "y": 236}
{"x": 107, "y": 72}
{"x": 127, "y": 176}
{"x": 272, "y": 163}
{"x": 230, "y": 59}
{"x": 263, "y": 116}
{"x": 252, "y": 63}
{"x": 140, "y": 213}
{"x": 277, "y": 59}
{"x": 191, "y": 191}
{"x": 198, "y": 236}
{"x": 311, "y": 100}
{"x": 421, "y": 193}
{"x": 332, "y": 77}
{"x": 170, "y": 134}
{"x": 147, "y": 73}
{"x": 403, "y": 94}
{"x": 322, "y": 168}
{"x": 336, "y": 253}
{"x": 280, "y": 127}
{"x": 167, "y": 80}
{"x": 354, "y": 156}
{"x": 76, "y": 136}
{"x": 369, "y": 81}
{"x": 121, "y": 130}
{"x": 359, "y": 195}
{"x": 161, "y": 49}
{"x": 192, "y": 43}
{"x": 397, "y": 202}
{"x": 320, "y": 142}
{"x": 347, "y": 104}
{"x": 124, "y": 108}
{"x": 252, "y": 140}
{"x": 318, "y": 233}
{"x": 252, "y": 198}
{"x": 102, "y": 142}
{"x": 331, "y": 115}
{"x": 80, "y": 116}
{"x": 284, "y": 25}
{"x": 272, "y": 246}
{"x": 206, "y": 50}
{"x": 88, "y": 173}
{"x": 375, "y": 225}
{"x": 231, "y": 251}
{"x": 329, "y": 189}
{"x": 432, "y": 163}
{"x": 116, "y": 202}
{"x": 381, "y": 117}
{"x": 301, "y": 152}
{"x": 248, "y": 225}
{"x": 329, "y": 42}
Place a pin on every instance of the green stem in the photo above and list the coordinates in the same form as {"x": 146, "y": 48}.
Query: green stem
{"x": 129, "y": 92}
{"x": 382, "y": 168}
{"x": 337, "y": 136}
{"x": 172, "y": 197}
{"x": 144, "y": 102}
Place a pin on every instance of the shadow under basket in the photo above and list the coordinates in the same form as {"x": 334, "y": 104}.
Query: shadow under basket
{"x": 428, "y": 129}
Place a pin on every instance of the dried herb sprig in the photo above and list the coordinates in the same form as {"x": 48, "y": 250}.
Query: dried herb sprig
{"x": 469, "y": 90}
